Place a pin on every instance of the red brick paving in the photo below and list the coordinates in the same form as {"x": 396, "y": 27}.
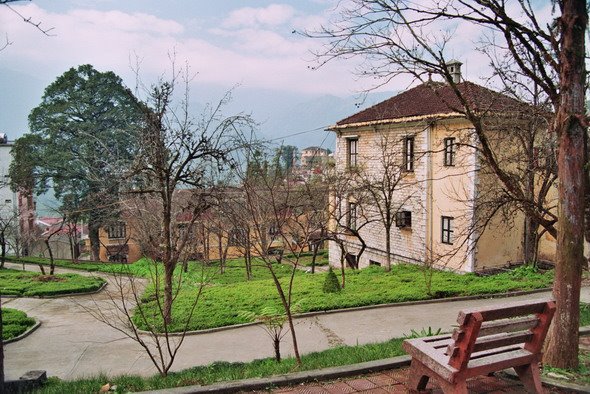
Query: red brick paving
{"x": 393, "y": 381}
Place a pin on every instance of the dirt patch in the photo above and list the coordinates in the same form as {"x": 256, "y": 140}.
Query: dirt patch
{"x": 48, "y": 278}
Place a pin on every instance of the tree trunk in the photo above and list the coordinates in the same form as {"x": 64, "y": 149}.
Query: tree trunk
{"x": 388, "y": 248}
{"x": 93, "y": 236}
{"x": 3, "y": 253}
{"x": 315, "y": 248}
{"x": 342, "y": 271}
{"x": 530, "y": 241}
{"x": 277, "y": 346}
{"x": 287, "y": 308}
{"x": 221, "y": 257}
{"x": 562, "y": 344}
{"x": 168, "y": 275}
{"x": 51, "y": 262}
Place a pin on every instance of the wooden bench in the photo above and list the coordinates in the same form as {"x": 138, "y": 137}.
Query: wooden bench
{"x": 487, "y": 340}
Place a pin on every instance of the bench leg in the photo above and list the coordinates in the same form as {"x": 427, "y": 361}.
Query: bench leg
{"x": 530, "y": 376}
{"x": 418, "y": 378}
{"x": 457, "y": 388}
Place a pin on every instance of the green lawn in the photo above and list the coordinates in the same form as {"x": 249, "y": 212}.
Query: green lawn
{"x": 222, "y": 301}
{"x": 25, "y": 283}
{"x": 14, "y": 323}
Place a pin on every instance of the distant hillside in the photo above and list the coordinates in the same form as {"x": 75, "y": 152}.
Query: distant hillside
{"x": 315, "y": 113}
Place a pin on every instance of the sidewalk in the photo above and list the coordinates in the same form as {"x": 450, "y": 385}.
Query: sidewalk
{"x": 394, "y": 381}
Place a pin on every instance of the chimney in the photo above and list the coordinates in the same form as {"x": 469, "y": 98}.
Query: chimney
{"x": 454, "y": 67}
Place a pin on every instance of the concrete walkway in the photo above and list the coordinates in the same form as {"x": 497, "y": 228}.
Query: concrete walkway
{"x": 71, "y": 343}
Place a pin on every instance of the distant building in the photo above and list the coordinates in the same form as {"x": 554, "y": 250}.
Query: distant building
{"x": 8, "y": 202}
{"x": 8, "y": 199}
{"x": 314, "y": 156}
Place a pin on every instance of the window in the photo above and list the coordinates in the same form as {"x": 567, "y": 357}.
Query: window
{"x": 374, "y": 263}
{"x": 273, "y": 230}
{"x": 403, "y": 219}
{"x": 237, "y": 237}
{"x": 352, "y": 152}
{"x": 117, "y": 231}
{"x": 352, "y": 215}
{"x": 409, "y": 153}
{"x": 447, "y": 230}
{"x": 449, "y": 151}
{"x": 118, "y": 258}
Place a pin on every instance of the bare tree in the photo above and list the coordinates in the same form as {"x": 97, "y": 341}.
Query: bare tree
{"x": 281, "y": 217}
{"x": 398, "y": 37}
{"x": 180, "y": 152}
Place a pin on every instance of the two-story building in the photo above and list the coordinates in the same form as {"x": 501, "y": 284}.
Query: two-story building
{"x": 440, "y": 181}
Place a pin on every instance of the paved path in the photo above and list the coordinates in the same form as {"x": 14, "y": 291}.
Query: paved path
{"x": 71, "y": 343}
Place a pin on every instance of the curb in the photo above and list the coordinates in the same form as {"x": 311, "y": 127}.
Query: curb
{"x": 292, "y": 378}
{"x": 60, "y": 295}
{"x": 363, "y": 308}
{"x": 556, "y": 383}
{"x": 23, "y": 335}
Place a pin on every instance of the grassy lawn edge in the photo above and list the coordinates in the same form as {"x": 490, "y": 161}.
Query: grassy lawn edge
{"x": 17, "y": 283}
{"x": 15, "y": 323}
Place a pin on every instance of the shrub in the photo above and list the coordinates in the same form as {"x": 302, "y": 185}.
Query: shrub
{"x": 331, "y": 283}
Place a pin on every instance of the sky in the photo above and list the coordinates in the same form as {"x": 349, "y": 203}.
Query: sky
{"x": 248, "y": 46}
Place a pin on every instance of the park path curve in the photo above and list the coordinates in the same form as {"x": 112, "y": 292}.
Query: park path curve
{"x": 72, "y": 344}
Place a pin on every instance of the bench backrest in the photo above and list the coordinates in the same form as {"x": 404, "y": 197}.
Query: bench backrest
{"x": 482, "y": 329}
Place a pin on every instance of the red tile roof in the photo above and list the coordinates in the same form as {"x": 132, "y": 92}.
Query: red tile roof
{"x": 433, "y": 98}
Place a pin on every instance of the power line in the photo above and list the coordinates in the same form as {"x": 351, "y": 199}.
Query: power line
{"x": 299, "y": 133}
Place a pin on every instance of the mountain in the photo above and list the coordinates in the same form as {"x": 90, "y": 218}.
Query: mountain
{"x": 303, "y": 124}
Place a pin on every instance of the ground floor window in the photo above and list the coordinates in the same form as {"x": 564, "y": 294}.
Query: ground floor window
{"x": 447, "y": 230}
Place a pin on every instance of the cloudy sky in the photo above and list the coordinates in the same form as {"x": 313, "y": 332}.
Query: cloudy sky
{"x": 248, "y": 44}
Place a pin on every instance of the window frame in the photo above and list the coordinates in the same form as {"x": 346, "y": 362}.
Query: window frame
{"x": 352, "y": 155}
{"x": 117, "y": 231}
{"x": 409, "y": 153}
{"x": 449, "y": 150}
{"x": 352, "y": 216}
{"x": 446, "y": 236}
{"x": 403, "y": 219}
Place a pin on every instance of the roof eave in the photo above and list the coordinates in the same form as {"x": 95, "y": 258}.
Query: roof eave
{"x": 407, "y": 119}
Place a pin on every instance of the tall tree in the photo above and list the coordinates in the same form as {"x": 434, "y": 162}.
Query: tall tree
{"x": 406, "y": 37}
{"x": 83, "y": 135}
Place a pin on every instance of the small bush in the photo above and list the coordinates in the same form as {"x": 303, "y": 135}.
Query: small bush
{"x": 423, "y": 333}
{"x": 331, "y": 283}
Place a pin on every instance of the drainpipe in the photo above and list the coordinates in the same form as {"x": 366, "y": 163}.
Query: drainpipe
{"x": 471, "y": 258}
{"x": 429, "y": 203}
